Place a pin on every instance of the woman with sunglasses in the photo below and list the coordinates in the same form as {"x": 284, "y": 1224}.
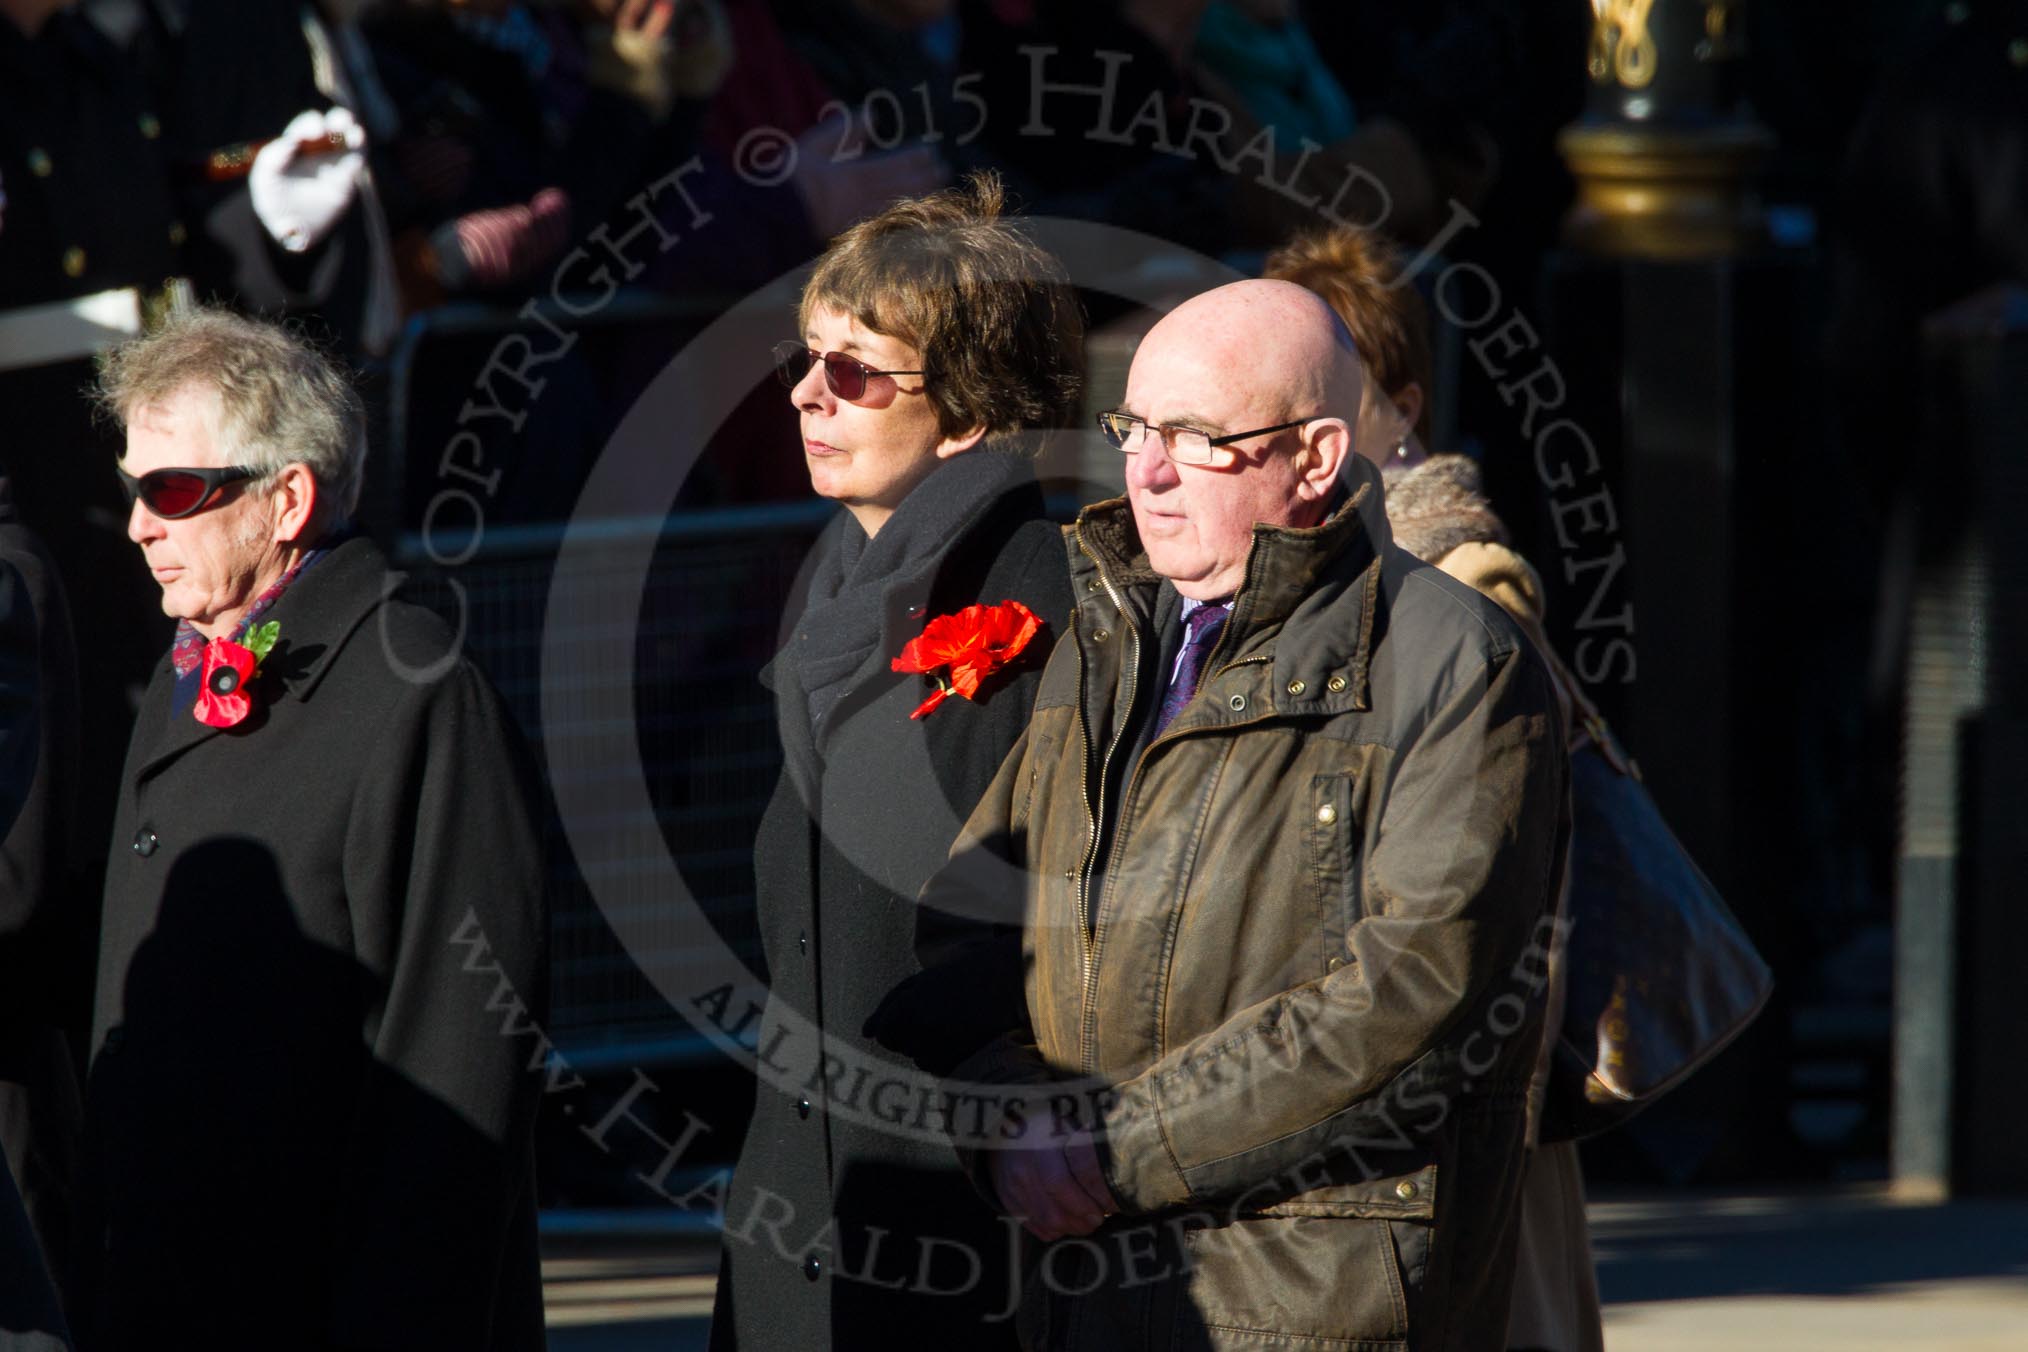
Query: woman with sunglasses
{"x": 937, "y": 348}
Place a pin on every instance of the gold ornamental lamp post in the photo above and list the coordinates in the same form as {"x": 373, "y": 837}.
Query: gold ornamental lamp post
{"x": 1680, "y": 327}
{"x": 1667, "y": 155}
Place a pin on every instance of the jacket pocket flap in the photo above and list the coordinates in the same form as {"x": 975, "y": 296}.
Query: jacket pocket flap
{"x": 1402, "y": 1197}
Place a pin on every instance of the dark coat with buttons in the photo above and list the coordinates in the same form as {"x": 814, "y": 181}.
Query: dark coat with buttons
{"x": 310, "y": 1102}
{"x": 849, "y": 1224}
{"x": 89, "y": 203}
{"x": 41, "y": 924}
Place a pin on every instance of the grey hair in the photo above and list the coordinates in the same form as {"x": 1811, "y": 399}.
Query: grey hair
{"x": 277, "y": 401}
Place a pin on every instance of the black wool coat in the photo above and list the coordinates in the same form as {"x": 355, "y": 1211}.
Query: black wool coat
{"x": 309, "y": 1103}
{"x": 40, "y": 926}
{"x": 849, "y": 1223}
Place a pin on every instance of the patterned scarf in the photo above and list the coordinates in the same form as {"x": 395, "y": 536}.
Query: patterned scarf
{"x": 186, "y": 654}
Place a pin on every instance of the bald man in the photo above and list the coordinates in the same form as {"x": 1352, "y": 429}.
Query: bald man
{"x": 1285, "y": 829}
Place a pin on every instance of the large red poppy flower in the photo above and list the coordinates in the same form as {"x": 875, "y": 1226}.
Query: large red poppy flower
{"x": 221, "y": 698}
{"x": 974, "y": 643}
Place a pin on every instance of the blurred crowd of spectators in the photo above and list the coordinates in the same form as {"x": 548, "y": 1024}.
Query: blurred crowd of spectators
{"x": 219, "y": 140}
{"x": 356, "y": 164}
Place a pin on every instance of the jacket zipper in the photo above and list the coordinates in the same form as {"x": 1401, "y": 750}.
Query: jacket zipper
{"x": 1127, "y": 791}
{"x": 1087, "y": 928}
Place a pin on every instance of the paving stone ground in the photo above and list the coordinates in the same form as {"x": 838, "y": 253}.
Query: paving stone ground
{"x": 1850, "y": 1269}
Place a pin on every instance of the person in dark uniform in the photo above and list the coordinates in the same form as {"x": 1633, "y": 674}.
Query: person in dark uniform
{"x": 87, "y": 194}
{"x": 89, "y": 236}
{"x": 228, "y": 80}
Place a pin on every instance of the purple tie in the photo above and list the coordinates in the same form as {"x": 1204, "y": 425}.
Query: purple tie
{"x": 1202, "y": 628}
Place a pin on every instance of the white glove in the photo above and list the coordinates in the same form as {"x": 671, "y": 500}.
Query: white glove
{"x": 299, "y": 186}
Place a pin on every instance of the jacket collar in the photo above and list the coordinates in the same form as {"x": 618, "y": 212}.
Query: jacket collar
{"x": 323, "y": 607}
{"x": 317, "y": 615}
{"x": 1292, "y": 572}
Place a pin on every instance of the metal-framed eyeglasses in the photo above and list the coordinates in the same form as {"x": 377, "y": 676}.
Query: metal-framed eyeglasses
{"x": 1185, "y": 445}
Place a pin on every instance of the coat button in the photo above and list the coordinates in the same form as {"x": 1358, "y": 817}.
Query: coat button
{"x": 115, "y": 1036}
{"x": 1335, "y": 965}
{"x": 802, "y": 941}
{"x": 1238, "y": 703}
{"x": 1335, "y": 684}
{"x": 1101, "y": 635}
{"x": 145, "y": 842}
{"x": 1297, "y": 687}
{"x": 1405, "y": 1190}
{"x": 1327, "y": 814}
{"x": 811, "y": 1267}
{"x": 802, "y": 1107}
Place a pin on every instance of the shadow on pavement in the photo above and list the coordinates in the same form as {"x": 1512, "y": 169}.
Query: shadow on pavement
{"x": 1677, "y": 1247}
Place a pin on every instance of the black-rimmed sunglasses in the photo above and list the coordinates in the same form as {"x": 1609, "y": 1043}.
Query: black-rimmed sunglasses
{"x": 847, "y": 376}
{"x": 174, "y": 493}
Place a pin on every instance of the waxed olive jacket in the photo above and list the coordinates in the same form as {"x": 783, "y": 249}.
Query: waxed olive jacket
{"x": 1301, "y": 993}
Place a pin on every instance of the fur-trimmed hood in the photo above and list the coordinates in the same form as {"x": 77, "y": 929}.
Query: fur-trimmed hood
{"x": 1438, "y": 505}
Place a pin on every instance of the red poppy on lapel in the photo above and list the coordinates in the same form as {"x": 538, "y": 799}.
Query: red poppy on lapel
{"x": 221, "y": 693}
{"x": 974, "y": 643}
{"x": 221, "y": 699}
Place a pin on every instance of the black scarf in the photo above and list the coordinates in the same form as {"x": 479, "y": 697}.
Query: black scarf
{"x": 851, "y": 575}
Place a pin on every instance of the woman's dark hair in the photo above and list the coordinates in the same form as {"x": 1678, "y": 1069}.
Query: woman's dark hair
{"x": 992, "y": 314}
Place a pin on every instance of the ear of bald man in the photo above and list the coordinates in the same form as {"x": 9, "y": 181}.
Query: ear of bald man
{"x": 1322, "y": 459}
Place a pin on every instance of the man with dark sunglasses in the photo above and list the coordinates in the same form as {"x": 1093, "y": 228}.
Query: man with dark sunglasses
{"x": 172, "y": 494}
{"x": 305, "y": 1126}
{"x": 1288, "y": 818}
